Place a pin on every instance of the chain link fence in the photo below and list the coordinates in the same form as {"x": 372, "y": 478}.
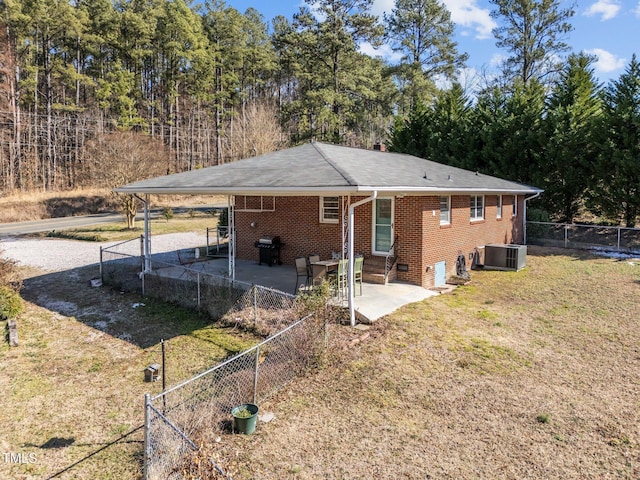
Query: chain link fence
{"x": 121, "y": 264}
{"x": 180, "y": 418}
{"x": 586, "y": 237}
{"x": 257, "y": 308}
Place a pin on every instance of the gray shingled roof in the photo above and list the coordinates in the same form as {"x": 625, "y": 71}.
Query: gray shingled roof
{"x": 321, "y": 169}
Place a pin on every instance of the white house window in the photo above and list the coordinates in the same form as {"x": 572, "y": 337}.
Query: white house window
{"x": 477, "y": 207}
{"x": 515, "y": 206}
{"x": 329, "y": 209}
{"x": 499, "y": 207}
{"x": 445, "y": 210}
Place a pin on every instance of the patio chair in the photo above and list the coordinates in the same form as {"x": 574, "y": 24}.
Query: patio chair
{"x": 357, "y": 271}
{"x": 301, "y": 271}
{"x": 338, "y": 278}
{"x": 314, "y": 257}
{"x": 189, "y": 262}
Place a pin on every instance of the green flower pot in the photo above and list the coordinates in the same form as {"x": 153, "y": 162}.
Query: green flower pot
{"x": 244, "y": 418}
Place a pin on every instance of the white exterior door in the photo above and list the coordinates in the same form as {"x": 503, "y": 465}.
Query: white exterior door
{"x": 382, "y": 225}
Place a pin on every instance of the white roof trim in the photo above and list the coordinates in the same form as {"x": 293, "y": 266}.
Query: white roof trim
{"x": 322, "y": 191}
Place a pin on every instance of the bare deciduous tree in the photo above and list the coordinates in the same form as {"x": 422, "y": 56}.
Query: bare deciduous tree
{"x": 124, "y": 157}
{"x": 260, "y": 130}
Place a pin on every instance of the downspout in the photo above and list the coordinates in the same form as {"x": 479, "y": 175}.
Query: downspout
{"x": 231, "y": 224}
{"x": 147, "y": 231}
{"x": 524, "y": 218}
{"x": 351, "y": 273}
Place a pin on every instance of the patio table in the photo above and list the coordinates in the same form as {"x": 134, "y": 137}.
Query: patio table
{"x": 322, "y": 268}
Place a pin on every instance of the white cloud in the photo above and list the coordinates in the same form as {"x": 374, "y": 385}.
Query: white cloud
{"x": 607, "y": 9}
{"x": 637, "y": 10}
{"x": 497, "y": 60}
{"x": 384, "y": 51}
{"x": 466, "y": 13}
{"x": 607, "y": 62}
{"x": 382, "y": 6}
{"x": 471, "y": 81}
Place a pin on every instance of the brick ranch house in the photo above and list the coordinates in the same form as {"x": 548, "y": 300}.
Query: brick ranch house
{"x": 420, "y": 213}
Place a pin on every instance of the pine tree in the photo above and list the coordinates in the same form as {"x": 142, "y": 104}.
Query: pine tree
{"x": 617, "y": 191}
{"x": 507, "y": 135}
{"x": 533, "y": 32}
{"x": 574, "y": 109}
{"x": 438, "y": 132}
{"x": 325, "y": 43}
{"x": 422, "y": 31}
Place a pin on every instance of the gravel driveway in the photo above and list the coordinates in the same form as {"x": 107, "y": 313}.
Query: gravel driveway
{"x": 51, "y": 254}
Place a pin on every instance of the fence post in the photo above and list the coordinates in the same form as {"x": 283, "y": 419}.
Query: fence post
{"x": 101, "y": 275}
{"x": 326, "y": 335}
{"x": 255, "y": 376}
{"x": 566, "y": 235}
{"x": 198, "y": 280}
{"x": 619, "y": 231}
{"x": 255, "y": 305}
{"x": 147, "y": 435}
{"x": 142, "y": 253}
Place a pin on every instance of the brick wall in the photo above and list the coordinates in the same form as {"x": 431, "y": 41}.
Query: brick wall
{"x": 421, "y": 240}
{"x": 417, "y": 223}
{"x": 296, "y": 220}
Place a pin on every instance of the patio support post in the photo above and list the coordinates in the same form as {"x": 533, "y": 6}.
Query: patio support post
{"x": 232, "y": 238}
{"x": 351, "y": 274}
{"x": 147, "y": 233}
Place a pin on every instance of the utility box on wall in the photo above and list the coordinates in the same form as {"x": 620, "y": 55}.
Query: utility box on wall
{"x": 440, "y": 274}
{"x": 505, "y": 257}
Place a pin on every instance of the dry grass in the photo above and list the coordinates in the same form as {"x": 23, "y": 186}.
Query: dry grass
{"x": 39, "y": 205}
{"x": 193, "y": 221}
{"x": 518, "y": 375}
{"x": 75, "y": 383}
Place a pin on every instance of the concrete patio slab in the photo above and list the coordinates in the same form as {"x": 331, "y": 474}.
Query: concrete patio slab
{"x": 375, "y": 302}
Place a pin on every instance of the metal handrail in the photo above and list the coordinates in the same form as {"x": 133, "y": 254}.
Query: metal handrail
{"x": 222, "y": 231}
{"x": 387, "y": 267}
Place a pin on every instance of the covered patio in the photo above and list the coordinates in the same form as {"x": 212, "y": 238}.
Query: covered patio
{"x": 261, "y": 191}
{"x": 375, "y": 302}
{"x": 411, "y": 219}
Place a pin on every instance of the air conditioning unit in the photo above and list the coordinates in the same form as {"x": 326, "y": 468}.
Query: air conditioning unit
{"x": 505, "y": 257}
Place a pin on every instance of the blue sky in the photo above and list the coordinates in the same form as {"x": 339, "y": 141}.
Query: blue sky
{"x": 606, "y": 28}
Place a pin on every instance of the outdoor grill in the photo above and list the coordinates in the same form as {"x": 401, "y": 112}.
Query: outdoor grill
{"x": 269, "y": 248}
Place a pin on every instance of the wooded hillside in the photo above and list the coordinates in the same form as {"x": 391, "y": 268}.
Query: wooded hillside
{"x": 102, "y": 92}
